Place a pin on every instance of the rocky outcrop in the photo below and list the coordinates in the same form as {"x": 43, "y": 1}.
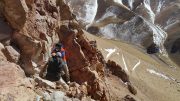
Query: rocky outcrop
{"x": 13, "y": 85}
{"x": 131, "y": 88}
{"x": 44, "y": 83}
{"x": 8, "y": 77}
{"x": 87, "y": 61}
{"x": 117, "y": 71}
{"x": 128, "y": 98}
{"x": 77, "y": 91}
{"x": 11, "y": 54}
{"x": 15, "y": 12}
{"x": 37, "y": 25}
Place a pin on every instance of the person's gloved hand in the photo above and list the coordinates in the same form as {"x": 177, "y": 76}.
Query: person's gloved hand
{"x": 59, "y": 54}
{"x": 53, "y": 54}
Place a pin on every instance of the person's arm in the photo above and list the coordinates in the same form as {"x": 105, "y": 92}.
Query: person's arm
{"x": 63, "y": 54}
{"x": 53, "y": 50}
{"x": 60, "y": 63}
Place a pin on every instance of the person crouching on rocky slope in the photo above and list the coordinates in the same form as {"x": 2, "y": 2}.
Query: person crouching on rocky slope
{"x": 54, "y": 69}
{"x": 60, "y": 51}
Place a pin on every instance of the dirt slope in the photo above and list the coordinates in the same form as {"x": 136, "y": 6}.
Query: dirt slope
{"x": 154, "y": 80}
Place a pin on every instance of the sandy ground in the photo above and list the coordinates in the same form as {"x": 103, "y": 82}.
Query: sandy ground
{"x": 154, "y": 80}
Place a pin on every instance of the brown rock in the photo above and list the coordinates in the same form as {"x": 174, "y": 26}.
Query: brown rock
{"x": 128, "y": 98}
{"x": 10, "y": 74}
{"x": 1, "y": 46}
{"x": 45, "y": 83}
{"x": 73, "y": 90}
{"x": 15, "y": 12}
{"x": 86, "y": 75}
{"x": 11, "y": 83}
{"x": 64, "y": 10}
{"x": 12, "y": 54}
{"x": 35, "y": 32}
{"x": 2, "y": 56}
{"x": 117, "y": 71}
{"x": 77, "y": 91}
{"x": 88, "y": 63}
{"x": 55, "y": 15}
{"x": 29, "y": 2}
{"x": 73, "y": 49}
{"x": 83, "y": 89}
{"x": 131, "y": 88}
{"x": 41, "y": 11}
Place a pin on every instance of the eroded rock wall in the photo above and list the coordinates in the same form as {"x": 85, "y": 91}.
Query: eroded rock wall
{"x": 37, "y": 25}
{"x": 83, "y": 59}
{"x": 13, "y": 83}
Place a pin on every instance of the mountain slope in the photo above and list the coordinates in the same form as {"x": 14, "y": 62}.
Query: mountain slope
{"x": 140, "y": 22}
{"x": 152, "y": 77}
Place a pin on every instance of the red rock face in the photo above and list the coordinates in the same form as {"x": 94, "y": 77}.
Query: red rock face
{"x": 85, "y": 63}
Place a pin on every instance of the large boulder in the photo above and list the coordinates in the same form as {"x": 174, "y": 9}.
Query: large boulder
{"x": 15, "y": 12}
{"x": 10, "y": 74}
{"x": 12, "y": 84}
{"x": 44, "y": 83}
{"x": 117, "y": 71}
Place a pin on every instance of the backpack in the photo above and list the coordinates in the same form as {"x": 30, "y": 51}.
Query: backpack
{"x": 54, "y": 67}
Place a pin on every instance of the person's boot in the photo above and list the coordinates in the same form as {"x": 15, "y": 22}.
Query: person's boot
{"x": 68, "y": 82}
{"x": 62, "y": 83}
